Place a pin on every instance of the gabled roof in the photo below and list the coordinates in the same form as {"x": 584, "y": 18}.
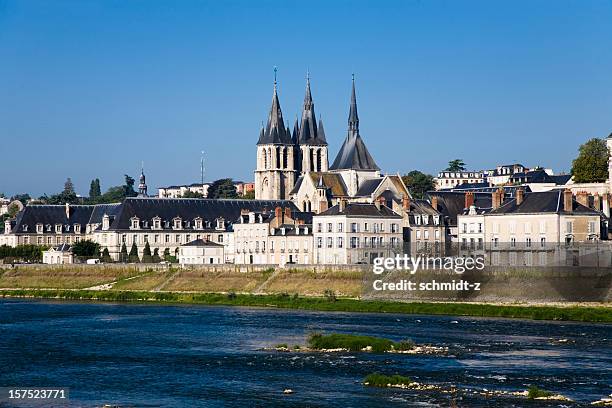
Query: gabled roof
{"x": 452, "y": 203}
{"x": 545, "y": 202}
{"x": 368, "y": 187}
{"x": 361, "y": 210}
{"x": 332, "y": 181}
{"x": 275, "y": 131}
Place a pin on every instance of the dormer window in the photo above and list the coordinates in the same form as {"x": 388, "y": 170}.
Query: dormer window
{"x": 197, "y": 223}
{"x": 25, "y": 228}
{"x": 417, "y": 219}
{"x": 177, "y": 223}
{"x": 436, "y": 219}
{"x": 105, "y": 222}
{"x": 39, "y": 228}
{"x": 166, "y": 224}
{"x": 156, "y": 223}
{"x": 58, "y": 228}
{"x": 77, "y": 228}
{"x": 67, "y": 227}
{"x": 48, "y": 227}
{"x": 134, "y": 223}
{"x": 425, "y": 219}
{"x": 220, "y": 223}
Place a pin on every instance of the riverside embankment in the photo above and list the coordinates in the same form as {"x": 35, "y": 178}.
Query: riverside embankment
{"x": 551, "y": 294}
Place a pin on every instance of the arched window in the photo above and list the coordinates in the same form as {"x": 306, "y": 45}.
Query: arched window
{"x": 311, "y": 161}
{"x": 319, "y": 161}
{"x": 265, "y": 158}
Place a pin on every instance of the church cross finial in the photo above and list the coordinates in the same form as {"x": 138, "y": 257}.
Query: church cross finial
{"x": 275, "y": 70}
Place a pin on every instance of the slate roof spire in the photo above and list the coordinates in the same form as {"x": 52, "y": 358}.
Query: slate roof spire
{"x": 142, "y": 185}
{"x": 353, "y": 120}
{"x": 309, "y": 134}
{"x": 275, "y": 131}
{"x": 354, "y": 154}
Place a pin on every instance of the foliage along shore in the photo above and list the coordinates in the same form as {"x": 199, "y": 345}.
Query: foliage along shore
{"x": 601, "y": 314}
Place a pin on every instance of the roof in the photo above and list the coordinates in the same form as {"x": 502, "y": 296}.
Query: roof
{"x": 452, "y": 203}
{"x": 332, "y": 181}
{"x": 308, "y": 132}
{"x": 361, "y": 210}
{"x": 543, "y": 202}
{"x": 101, "y": 209}
{"x": 368, "y": 187}
{"x": 539, "y": 176}
{"x": 203, "y": 243}
{"x": 61, "y": 248}
{"x": 189, "y": 209}
{"x": 52, "y": 215}
{"x": 275, "y": 131}
{"x": 354, "y": 154}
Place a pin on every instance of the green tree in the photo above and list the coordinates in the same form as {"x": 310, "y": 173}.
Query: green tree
{"x": 69, "y": 186}
{"x": 24, "y": 198}
{"x": 249, "y": 195}
{"x": 86, "y": 249}
{"x": 456, "y": 165}
{"x": 13, "y": 209}
{"x": 133, "y": 256}
{"x": 129, "y": 187}
{"x": 192, "y": 194}
{"x": 222, "y": 188}
{"x": 418, "y": 183}
{"x": 166, "y": 254}
{"x": 106, "y": 258}
{"x": 94, "y": 189}
{"x": 591, "y": 165}
{"x": 146, "y": 254}
{"x": 156, "y": 258}
{"x": 123, "y": 255}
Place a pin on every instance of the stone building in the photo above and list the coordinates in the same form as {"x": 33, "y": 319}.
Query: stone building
{"x": 350, "y": 233}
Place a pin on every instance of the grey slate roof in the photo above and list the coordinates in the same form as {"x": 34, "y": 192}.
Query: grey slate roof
{"x": 275, "y": 131}
{"x": 52, "y": 215}
{"x": 361, "y": 210}
{"x": 354, "y": 154}
{"x": 452, "y": 203}
{"x": 367, "y": 187}
{"x": 308, "y": 131}
{"x": 189, "y": 209}
{"x": 543, "y": 202}
{"x": 202, "y": 243}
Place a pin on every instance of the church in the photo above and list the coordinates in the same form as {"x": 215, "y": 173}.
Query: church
{"x": 293, "y": 165}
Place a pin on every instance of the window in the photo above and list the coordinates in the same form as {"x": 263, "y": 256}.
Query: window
{"x": 568, "y": 227}
{"x": 382, "y": 227}
{"x": 542, "y": 242}
{"x": 437, "y": 234}
{"x": 330, "y": 242}
{"x": 418, "y": 234}
{"x": 426, "y": 234}
{"x": 220, "y": 238}
{"x": 177, "y": 238}
{"x": 425, "y": 219}
{"x": 330, "y": 227}
{"x": 340, "y": 242}
{"x": 319, "y": 227}
{"x": 365, "y": 226}
{"x": 436, "y": 219}
{"x": 480, "y": 227}
{"x": 167, "y": 238}
{"x": 528, "y": 242}
{"x": 340, "y": 227}
{"x": 58, "y": 228}
{"x": 39, "y": 228}
{"x": 319, "y": 243}
{"x": 464, "y": 228}
{"x": 512, "y": 242}
{"x": 354, "y": 227}
{"x": 146, "y": 238}
{"x": 394, "y": 227}
{"x": 134, "y": 223}
{"x": 591, "y": 227}
{"x": 354, "y": 242}
{"x": 176, "y": 223}
{"x": 495, "y": 242}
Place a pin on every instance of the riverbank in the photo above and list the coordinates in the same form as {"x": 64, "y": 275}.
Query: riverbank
{"x": 600, "y": 314}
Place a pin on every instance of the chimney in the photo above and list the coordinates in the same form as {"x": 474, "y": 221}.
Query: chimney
{"x": 583, "y": 198}
{"x": 501, "y": 193}
{"x": 287, "y": 213}
{"x": 567, "y": 200}
{"x": 596, "y": 202}
{"x": 406, "y": 203}
{"x": 323, "y": 206}
{"x": 605, "y": 203}
{"x": 495, "y": 200}
{"x": 434, "y": 202}
{"x": 278, "y": 213}
{"x": 67, "y": 211}
{"x": 342, "y": 204}
{"x": 469, "y": 199}
{"x": 520, "y": 196}
{"x": 377, "y": 204}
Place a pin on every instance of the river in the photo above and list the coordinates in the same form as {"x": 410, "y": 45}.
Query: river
{"x": 148, "y": 355}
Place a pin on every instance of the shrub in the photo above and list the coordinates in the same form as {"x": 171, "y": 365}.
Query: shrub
{"x": 146, "y": 254}
{"x": 534, "y": 392}
{"x": 106, "y": 258}
{"x": 350, "y": 342}
{"x": 330, "y": 295}
{"x": 282, "y": 345}
{"x": 404, "y": 345}
{"x": 381, "y": 380}
{"x": 231, "y": 295}
{"x": 133, "y": 256}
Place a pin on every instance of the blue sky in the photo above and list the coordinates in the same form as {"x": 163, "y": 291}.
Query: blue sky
{"x": 92, "y": 88}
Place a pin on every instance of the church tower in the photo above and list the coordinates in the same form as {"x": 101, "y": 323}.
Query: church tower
{"x": 142, "y": 184}
{"x": 275, "y": 174}
{"x": 311, "y": 139}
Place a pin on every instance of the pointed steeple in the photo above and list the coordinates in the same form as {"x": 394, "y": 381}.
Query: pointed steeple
{"x": 275, "y": 131}
{"x": 321, "y": 131}
{"x": 142, "y": 185}
{"x": 309, "y": 134}
{"x": 353, "y": 120}
{"x": 354, "y": 154}
{"x": 296, "y": 131}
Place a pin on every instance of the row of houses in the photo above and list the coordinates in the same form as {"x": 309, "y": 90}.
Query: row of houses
{"x": 348, "y": 232}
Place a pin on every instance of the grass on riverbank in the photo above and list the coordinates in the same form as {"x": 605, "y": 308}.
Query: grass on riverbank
{"x": 534, "y": 392}
{"x": 570, "y": 313}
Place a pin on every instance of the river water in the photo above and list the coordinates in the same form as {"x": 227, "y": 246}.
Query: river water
{"x": 190, "y": 356}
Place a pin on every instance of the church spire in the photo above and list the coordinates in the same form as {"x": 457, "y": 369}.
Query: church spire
{"x": 353, "y": 120}
{"x": 309, "y": 134}
{"x": 142, "y": 185}
{"x": 275, "y": 131}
